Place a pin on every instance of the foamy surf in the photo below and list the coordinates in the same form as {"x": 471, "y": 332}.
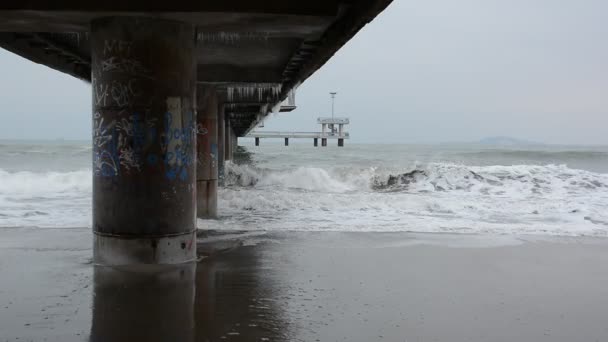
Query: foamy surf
{"x": 367, "y": 188}
{"x": 437, "y": 197}
{"x": 45, "y": 199}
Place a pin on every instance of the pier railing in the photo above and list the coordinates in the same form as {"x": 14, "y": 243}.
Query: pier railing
{"x": 295, "y": 135}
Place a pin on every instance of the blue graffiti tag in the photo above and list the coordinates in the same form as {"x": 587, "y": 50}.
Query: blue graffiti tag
{"x": 178, "y": 145}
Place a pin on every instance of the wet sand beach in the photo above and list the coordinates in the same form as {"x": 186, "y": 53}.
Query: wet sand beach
{"x": 296, "y": 286}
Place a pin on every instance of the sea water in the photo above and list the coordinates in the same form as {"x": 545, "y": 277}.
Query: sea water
{"x": 443, "y": 188}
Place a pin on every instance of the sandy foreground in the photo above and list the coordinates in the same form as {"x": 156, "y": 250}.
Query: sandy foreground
{"x": 297, "y": 286}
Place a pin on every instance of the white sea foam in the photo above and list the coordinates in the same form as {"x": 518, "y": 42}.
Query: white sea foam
{"x": 50, "y": 199}
{"x": 438, "y": 197}
{"x": 435, "y": 197}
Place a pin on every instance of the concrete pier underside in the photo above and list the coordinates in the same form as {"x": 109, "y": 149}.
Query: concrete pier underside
{"x": 159, "y": 148}
{"x": 254, "y": 52}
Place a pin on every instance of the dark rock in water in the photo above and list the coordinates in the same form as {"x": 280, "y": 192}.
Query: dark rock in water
{"x": 233, "y": 178}
{"x": 396, "y": 181}
{"x": 404, "y": 178}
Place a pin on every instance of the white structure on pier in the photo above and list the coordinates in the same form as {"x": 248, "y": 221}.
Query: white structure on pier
{"x": 331, "y": 128}
{"x": 328, "y": 130}
{"x": 330, "y": 123}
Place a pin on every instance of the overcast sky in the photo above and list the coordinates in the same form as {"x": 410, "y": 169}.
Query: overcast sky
{"x": 423, "y": 71}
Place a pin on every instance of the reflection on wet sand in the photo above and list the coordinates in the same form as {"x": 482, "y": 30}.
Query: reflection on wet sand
{"x": 315, "y": 287}
{"x": 150, "y": 304}
{"x": 234, "y": 300}
{"x": 217, "y": 299}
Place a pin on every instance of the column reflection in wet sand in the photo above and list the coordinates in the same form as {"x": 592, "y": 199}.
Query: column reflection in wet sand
{"x": 144, "y": 304}
{"x": 237, "y": 300}
{"x": 221, "y": 298}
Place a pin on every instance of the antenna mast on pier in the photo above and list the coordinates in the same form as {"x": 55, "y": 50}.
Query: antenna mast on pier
{"x": 333, "y": 98}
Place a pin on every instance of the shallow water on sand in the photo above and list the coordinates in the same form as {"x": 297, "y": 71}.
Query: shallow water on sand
{"x": 309, "y": 286}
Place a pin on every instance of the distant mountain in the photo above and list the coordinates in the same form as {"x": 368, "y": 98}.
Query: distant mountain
{"x": 506, "y": 141}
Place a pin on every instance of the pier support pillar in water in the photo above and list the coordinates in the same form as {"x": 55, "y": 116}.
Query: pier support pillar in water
{"x": 257, "y": 141}
{"x": 221, "y": 142}
{"x": 286, "y": 141}
{"x": 206, "y": 152}
{"x": 316, "y": 142}
{"x": 144, "y": 141}
{"x": 324, "y": 142}
{"x": 227, "y": 140}
{"x": 235, "y": 143}
{"x": 341, "y": 142}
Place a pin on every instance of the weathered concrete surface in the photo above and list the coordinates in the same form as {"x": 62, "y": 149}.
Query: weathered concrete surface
{"x": 254, "y": 52}
{"x": 144, "y": 177}
{"x": 221, "y": 138}
{"x": 308, "y": 286}
{"x": 227, "y": 140}
{"x": 206, "y": 152}
{"x": 235, "y": 143}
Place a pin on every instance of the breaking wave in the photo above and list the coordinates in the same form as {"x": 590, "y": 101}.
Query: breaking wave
{"x": 45, "y": 199}
{"x": 26, "y": 183}
{"x": 517, "y": 180}
{"x": 436, "y": 197}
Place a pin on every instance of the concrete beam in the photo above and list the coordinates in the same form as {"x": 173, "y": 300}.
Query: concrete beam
{"x": 39, "y": 49}
{"x": 311, "y": 7}
{"x": 226, "y": 74}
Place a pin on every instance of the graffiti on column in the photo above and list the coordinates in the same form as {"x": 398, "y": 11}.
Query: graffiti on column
{"x": 126, "y": 137}
{"x": 105, "y": 158}
{"x": 176, "y": 140}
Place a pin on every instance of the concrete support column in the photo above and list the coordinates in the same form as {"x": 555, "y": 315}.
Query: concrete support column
{"x": 221, "y": 142}
{"x": 323, "y": 142}
{"x": 227, "y": 140}
{"x": 316, "y": 142}
{"x": 257, "y": 141}
{"x": 286, "y": 141}
{"x": 323, "y": 129}
{"x": 206, "y": 152}
{"x": 341, "y": 142}
{"x": 235, "y": 143}
{"x": 144, "y": 172}
{"x": 340, "y": 129}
